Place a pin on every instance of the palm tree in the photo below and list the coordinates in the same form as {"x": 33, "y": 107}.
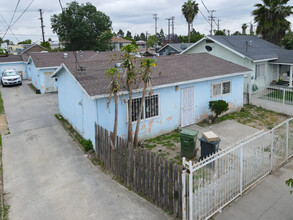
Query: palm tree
{"x": 113, "y": 74}
{"x": 271, "y": 19}
{"x": 189, "y": 10}
{"x": 146, "y": 72}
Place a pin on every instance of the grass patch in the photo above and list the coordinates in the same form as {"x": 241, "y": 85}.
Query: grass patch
{"x": 1, "y": 105}
{"x": 280, "y": 95}
{"x": 87, "y": 145}
{"x": 4, "y": 207}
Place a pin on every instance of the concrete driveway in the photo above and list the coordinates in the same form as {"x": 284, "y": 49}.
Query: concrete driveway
{"x": 45, "y": 173}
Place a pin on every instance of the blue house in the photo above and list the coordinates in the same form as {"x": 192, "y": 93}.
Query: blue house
{"x": 177, "y": 48}
{"x": 180, "y": 97}
{"x": 41, "y": 66}
{"x": 14, "y": 62}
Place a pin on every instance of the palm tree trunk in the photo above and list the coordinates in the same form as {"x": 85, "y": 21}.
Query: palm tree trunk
{"x": 188, "y": 32}
{"x": 116, "y": 119}
{"x": 135, "y": 142}
{"x": 130, "y": 112}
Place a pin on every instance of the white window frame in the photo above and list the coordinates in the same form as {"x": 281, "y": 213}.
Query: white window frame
{"x": 257, "y": 66}
{"x": 221, "y": 83}
{"x": 145, "y": 119}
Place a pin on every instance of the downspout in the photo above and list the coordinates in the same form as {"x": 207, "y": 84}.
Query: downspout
{"x": 291, "y": 73}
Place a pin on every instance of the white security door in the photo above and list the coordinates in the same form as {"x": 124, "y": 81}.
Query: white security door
{"x": 187, "y": 106}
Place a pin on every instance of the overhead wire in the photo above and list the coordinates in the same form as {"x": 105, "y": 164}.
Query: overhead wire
{"x": 11, "y": 19}
{"x": 9, "y": 29}
{"x": 22, "y": 13}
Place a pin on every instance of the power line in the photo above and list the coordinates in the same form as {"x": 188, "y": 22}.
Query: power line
{"x": 155, "y": 16}
{"x": 9, "y": 28}
{"x": 212, "y": 20}
{"x": 11, "y": 19}
{"x": 169, "y": 19}
{"x": 42, "y": 25}
{"x": 22, "y": 13}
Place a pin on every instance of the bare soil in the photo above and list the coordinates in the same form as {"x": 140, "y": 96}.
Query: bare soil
{"x": 3, "y": 125}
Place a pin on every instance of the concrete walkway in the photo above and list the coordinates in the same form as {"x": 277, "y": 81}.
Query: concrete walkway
{"x": 46, "y": 175}
{"x": 270, "y": 200}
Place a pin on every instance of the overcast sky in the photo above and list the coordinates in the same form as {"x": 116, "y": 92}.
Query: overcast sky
{"x": 133, "y": 15}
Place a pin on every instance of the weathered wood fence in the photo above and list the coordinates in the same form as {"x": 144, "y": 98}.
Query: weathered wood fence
{"x": 140, "y": 170}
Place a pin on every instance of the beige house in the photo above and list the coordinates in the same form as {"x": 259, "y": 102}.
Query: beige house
{"x": 119, "y": 42}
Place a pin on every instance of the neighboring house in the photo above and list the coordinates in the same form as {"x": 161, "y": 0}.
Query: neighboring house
{"x": 269, "y": 62}
{"x": 14, "y": 62}
{"x": 33, "y": 49}
{"x": 56, "y": 45}
{"x": 141, "y": 43}
{"x": 169, "y": 49}
{"x": 42, "y": 65}
{"x": 118, "y": 43}
{"x": 181, "y": 93}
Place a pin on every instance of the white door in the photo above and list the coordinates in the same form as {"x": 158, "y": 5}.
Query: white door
{"x": 187, "y": 106}
{"x": 49, "y": 82}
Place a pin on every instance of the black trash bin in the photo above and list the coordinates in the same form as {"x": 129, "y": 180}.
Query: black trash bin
{"x": 208, "y": 147}
{"x": 188, "y": 141}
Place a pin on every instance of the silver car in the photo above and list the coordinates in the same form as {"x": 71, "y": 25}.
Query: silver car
{"x": 10, "y": 77}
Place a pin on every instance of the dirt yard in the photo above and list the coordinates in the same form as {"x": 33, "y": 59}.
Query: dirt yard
{"x": 238, "y": 125}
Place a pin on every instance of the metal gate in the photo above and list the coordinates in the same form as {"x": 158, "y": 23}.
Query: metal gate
{"x": 214, "y": 182}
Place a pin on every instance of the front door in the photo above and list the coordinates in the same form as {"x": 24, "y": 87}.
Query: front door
{"x": 187, "y": 106}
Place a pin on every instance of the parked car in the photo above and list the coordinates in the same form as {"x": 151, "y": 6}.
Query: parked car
{"x": 10, "y": 77}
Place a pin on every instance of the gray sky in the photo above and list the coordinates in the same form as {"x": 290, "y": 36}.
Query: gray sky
{"x": 133, "y": 15}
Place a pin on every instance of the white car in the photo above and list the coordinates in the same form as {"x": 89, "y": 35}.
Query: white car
{"x": 10, "y": 77}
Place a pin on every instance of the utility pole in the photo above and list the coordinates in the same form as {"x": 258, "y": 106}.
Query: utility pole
{"x": 42, "y": 25}
{"x": 155, "y": 16}
{"x": 211, "y": 18}
{"x": 172, "y": 19}
{"x": 218, "y": 25}
{"x": 169, "y": 19}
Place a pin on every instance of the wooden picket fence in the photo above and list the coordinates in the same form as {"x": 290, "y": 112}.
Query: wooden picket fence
{"x": 140, "y": 170}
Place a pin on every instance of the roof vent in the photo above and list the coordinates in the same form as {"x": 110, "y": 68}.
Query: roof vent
{"x": 183, "y": 47}
{"x": 65, "y": 55}
{"x": 82, "y": 68}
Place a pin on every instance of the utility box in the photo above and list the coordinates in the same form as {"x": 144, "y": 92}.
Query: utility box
{"x": 188, "y": 141}
{"x": 208, "y": 147}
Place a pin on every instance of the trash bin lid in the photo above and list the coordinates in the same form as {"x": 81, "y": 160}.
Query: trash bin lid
{"x": 189, "y": 132}
{"x": 210, "y": 142}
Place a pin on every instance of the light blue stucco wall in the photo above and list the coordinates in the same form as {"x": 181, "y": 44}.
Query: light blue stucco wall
{"x": 76, "y": 107}
{"x": 18, "y": 66}
{"x": 82, "y": 112}
{"x": 38, "y": 79}
{"x": 170, "y": 107}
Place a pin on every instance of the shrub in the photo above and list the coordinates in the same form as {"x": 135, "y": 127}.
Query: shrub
{"x": 87, "y": 145}
{"x": 218, "y": 107}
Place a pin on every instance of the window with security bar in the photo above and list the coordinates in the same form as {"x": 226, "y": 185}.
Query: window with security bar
{"x": 150, "y": 107}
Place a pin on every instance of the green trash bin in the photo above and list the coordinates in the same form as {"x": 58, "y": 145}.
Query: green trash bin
{"x": 188, "y": 142}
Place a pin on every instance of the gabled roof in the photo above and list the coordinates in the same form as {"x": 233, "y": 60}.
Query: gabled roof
{"x": 116, "y": 39}
{"x": 249, "y": 46}
{"x": 33, "y": 45}
{"x": 177, "y": 69}
{"x": 11, "y": 58}
{"x": 55, "y": 59}
{"x": 178, "y": 47}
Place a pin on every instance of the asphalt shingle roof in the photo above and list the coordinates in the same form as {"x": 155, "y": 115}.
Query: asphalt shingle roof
{"x": 170, "y": 69}
{"x": 253, "y": 47}
{"x": 10, "y": 58}
{"x": 178, "y": 46}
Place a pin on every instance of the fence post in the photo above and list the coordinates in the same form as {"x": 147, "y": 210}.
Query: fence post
{"x": 284, "y": 94}
{"x": 272, "y": 151}
{"x": 241, "y": 169}
{"x": 287, "y": 139}
{"x": 184, "y": 194}
{"x": 190, "y": 191}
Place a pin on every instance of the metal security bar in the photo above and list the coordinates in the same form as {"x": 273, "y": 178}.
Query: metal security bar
{"x": 275, "y": 98}
{"x": 214, "y": 182}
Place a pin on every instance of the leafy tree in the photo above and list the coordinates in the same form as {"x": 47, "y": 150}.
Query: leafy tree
{"x": 28, "y": 41}
{"x": 146, "y": 76}
{"x": 161, "y": 37}
{"x": 128, "y": 34}
{"x": 152, "y": 40}
{"x": 46, "y": 44}
{"x": 131, "y": 76}
{"x": 218, "y": 107}
{"x": 120, "y": 33}
{"x": 244, "y": 27}
{"x": 194, "y": 37}
{"x": 130, "y": 39}
{"x": 79, "y": 26}
{"x": 49, "y": 39}
{"x": 271, "y": 19}
{"x": 236, "y": 33}
{"x": 136, "y": 37}
{"x": 142, "y": 36}
{"x": 287, "y": 41}
{"x": 104, "y": 41}
{"x": 114, "y": 75}
{"x": 220, "y": 32}
{"x": 189, "y": 10}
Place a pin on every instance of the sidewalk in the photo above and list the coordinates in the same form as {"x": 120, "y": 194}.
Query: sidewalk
{"x": 269, "y": 200}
